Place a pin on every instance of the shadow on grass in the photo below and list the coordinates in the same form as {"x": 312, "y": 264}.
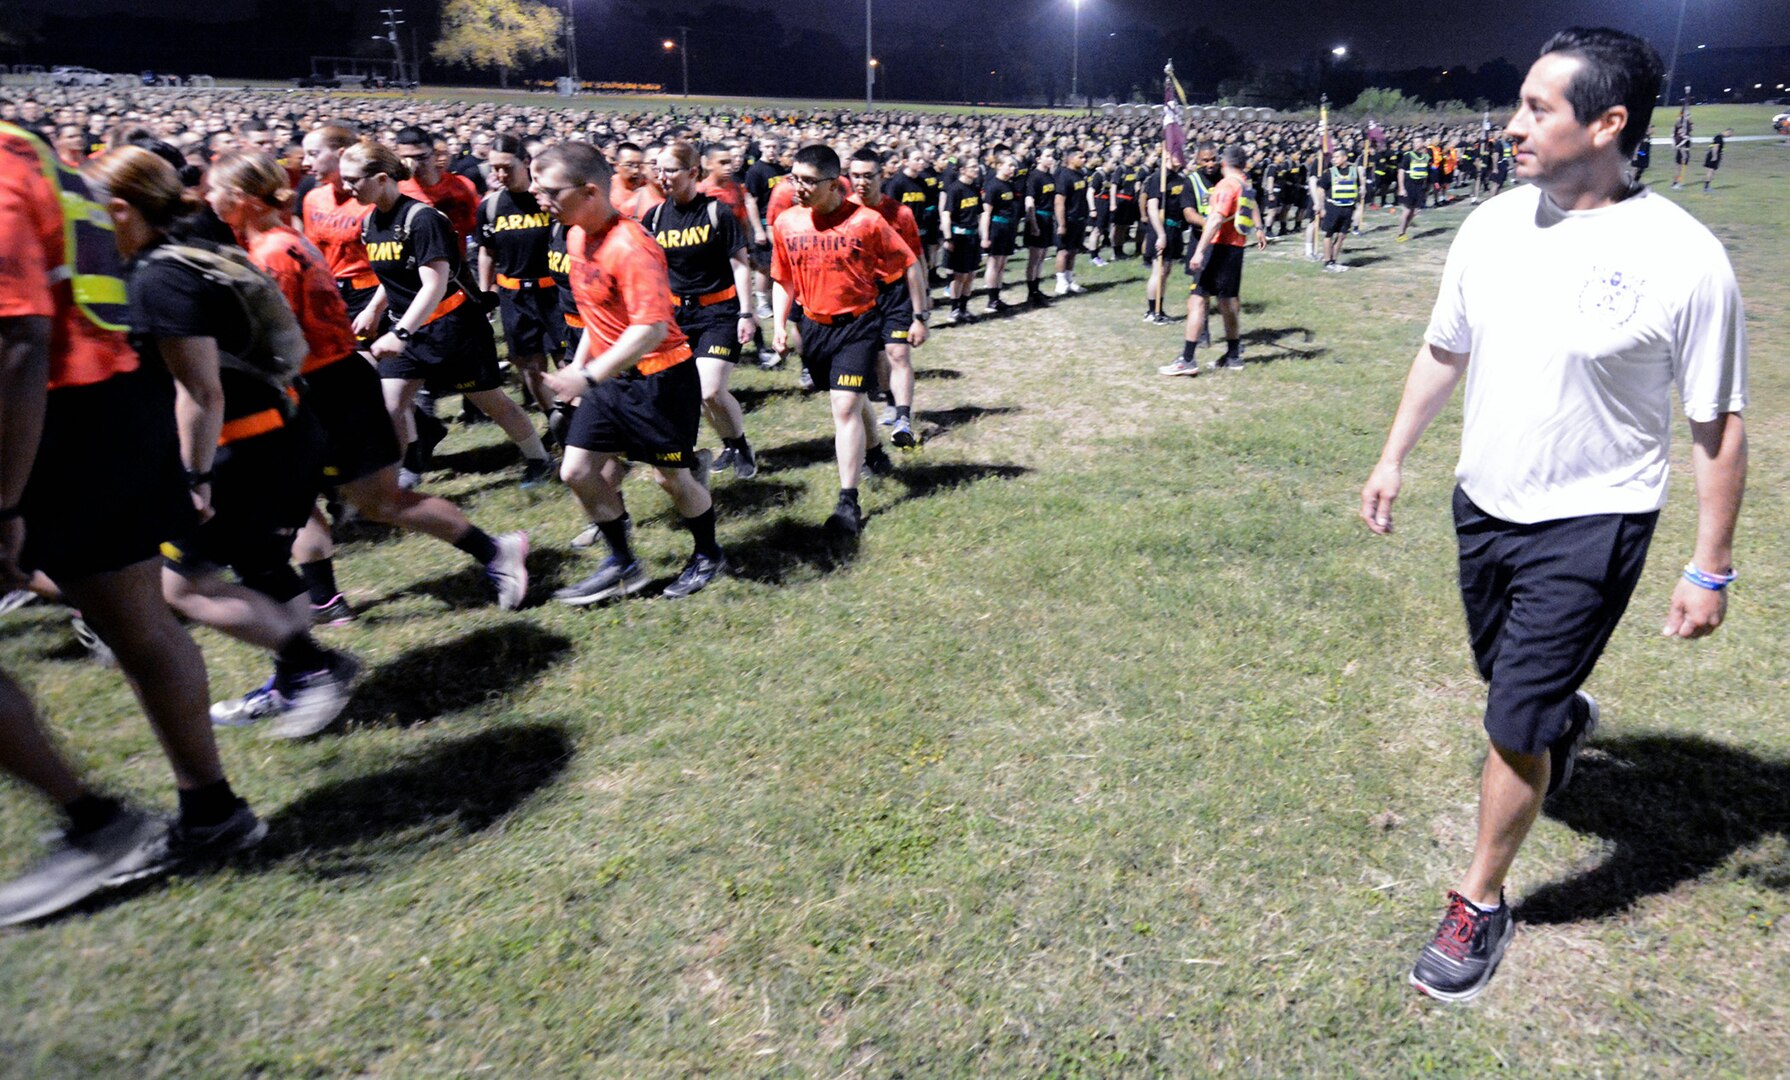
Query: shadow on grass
{"x": 754, "y": 398}
{"x": 468, "y": 587}
{"x": 787, "y": 550}
{"x": 490, "y": 458}
{"x": 432, "y": 680}
{"x": 930, "y": 374}
{"x": 1674, "y": 808}
{"x": 449, "y": 791}
{"x": 1356, "y": 262}
{"x": 1276, "y": 338}
{"x": 1426, "y": 233}
{"x": 936, "y": 422}
{"x": 743, "y": 498}
{"x": 796, "y": 455}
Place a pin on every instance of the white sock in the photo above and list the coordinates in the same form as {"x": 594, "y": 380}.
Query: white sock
{"x": 1477, "y": 906}
{"x": 532, "y": 449}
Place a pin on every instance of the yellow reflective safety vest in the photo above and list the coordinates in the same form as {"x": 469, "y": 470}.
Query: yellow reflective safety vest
{"x": 1202, "y": 193}
{"x": 1417, "y": 165}
{"x": 90, "y": 261}
{"x": 1345, "y": 186}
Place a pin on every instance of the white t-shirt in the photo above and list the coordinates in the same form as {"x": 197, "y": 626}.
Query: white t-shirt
{"x": 1578, "y": 324}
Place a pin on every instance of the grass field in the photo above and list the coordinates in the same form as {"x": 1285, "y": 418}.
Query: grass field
{"x": 1118, "y": 747}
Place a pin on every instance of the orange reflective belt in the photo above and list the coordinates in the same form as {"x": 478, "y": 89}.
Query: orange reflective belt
{"x": 652, "y": 365}
{"x": 574, "y": 321}
{"x": 445, "y": 306}
{"x": 256, "y": 423}
{"x": 706, "y": 298}
{"x": 504, "y": 282}
{"x": 360, "y": 281}
{"x": 829, "y": 320}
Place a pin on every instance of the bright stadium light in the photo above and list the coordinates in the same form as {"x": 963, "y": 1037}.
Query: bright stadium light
{"x": 1340, "y": 51}
{"x": 668, "y": 44}
{"x": 1075, "y": 50}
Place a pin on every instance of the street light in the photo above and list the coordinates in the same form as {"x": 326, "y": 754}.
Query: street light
{"x": 1075, "y": 53}
{"x": 869, "y": 63}
{"x": 1340, "y": 51}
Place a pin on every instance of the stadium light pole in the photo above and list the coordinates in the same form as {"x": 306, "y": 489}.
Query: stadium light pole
{"x": 1677, "y": 37}
{"x": 572, "y": 44}
{"x": 1075, "y": 51}
{"x": 869, "y": 64}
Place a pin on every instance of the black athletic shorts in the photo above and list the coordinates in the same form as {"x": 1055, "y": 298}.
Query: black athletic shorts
{"x": 760, "y": 254}
{"x": 1173, "y": 248}
{"x": 107, "y": 486}
{"x": 452, "y": 355}
{"x": 358, "y": 438}
{"x": 1414, "y": 195}
{"x": 1338, "y": 220}
{"x": 895, "y": 307}
{"x": 1710, "y": 161}
{"x": 714, "y": 331}
{"x": 1041, "y": 231}
{"x": 1003, "y": 237}
{"x": 843, "y": 356}
{"x": 1125, "y": 212}
{"x": 1074, "y": 234}
{"x": 1542, "y": 601}
{"x": 965, "y": 253}
{"x": 529, "y": 316}
{"x": 1681, "y": 155}
{"x": 648, "y": 418}
{"x": 262, "y": 492}
{"x": 1222, "y": 276}
{"x": 1103, "y": 216}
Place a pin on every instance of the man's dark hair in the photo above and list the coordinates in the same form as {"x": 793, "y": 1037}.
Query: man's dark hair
{"x": 578, "y": 162}
{"x": 1616, "y": 69}
{"x": 821, "y": 158}
{"x": 414, "y": 136}
{"x": 507, "y": 143}
{"x": 627, "y": 146}
{"x": 1234, "y": 156}
{"x": 867, "y": 154}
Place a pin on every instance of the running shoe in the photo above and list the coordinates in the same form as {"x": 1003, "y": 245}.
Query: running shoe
{"x": 1231, "y": 361}
{"x": 877, "y": 462}
{"x": 256, "y": 705}
{"x": 745, "y": 464}
{"x": 725, "y": 459}
{"x": 1564, "y": 754}
{"x": 1458, "y": 963}
{"x": 887, "y": 419}
{"x": 97, "y": 649}
{"x": 1401, "y": 238}
{"x": 768, "y": 359}
{"x": 509, "y": 570}
{"x": 335, "y": 613}
{"x": 181, "y": 846}
{"x": 1076, "y": 288}
{"x": 79, "y": 865}
{"x": 996, "y": 305}
{"x": 612, "y": 579}
{"x": 537, "y": 472}
{"x": 847, "y": 519}
{"x": 763, "y": 312}
{"x": 15, "y": 600}
{"x": 1097, "y": 260}
{"x": 588, "y": 537}
{"x": 316, "y": 699}
{"x": 903, "y": 434}
{"x": 805, "y": 379}
{"x": 408, "y": 479}
{"x": 1164, "y": 319}
{"x": 1182, "y": 366}
{"x": 697, "y": 574}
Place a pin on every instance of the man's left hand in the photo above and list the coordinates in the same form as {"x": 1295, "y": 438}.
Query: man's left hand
{"x": 566, "y": 383}
{"x": 1695, "y": 611}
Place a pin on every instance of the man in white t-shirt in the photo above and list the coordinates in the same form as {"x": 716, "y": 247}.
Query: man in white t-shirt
{"x": 1573, "y": 306}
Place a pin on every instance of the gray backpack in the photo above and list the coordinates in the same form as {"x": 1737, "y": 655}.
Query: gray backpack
{"x": 277, "y": 347}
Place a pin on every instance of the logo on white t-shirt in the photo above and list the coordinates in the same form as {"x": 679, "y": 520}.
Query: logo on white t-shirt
{"x": 1610, "y": 297}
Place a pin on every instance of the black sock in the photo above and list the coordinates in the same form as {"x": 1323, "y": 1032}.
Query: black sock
{"x": 615, "y": 534}
{"x": 211, "y": 804}
{"x": 904, "y": 412}
{"x": 848, "y": 495}
{"x": 301, "y": 655}
{"x": 738, "y": 442}
{"x": 320, "y": 580}
{"x": 1187, "y": 348}
{"x": 477, "y": 543}
{"x": 90, "y": 813}
{"x": 702, "y": 530}
{"x": 1230, "y": 346}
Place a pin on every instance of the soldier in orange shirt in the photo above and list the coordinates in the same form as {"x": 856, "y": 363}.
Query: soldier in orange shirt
{"x": 904, "y": 328}
{"x": 633, "y": 377}
{"x": 831, "y": 255}
{"x": 631, "y": 190}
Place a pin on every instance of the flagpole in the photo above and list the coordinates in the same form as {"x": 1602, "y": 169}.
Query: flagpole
{"x": 1168, "y": 72}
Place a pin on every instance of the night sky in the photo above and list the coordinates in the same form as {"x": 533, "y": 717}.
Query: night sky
{"x": 1385, "y": 33}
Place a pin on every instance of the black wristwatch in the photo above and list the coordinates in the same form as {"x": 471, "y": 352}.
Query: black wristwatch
{"x": 400, "y": 333}
{"x": 195, "y": 478}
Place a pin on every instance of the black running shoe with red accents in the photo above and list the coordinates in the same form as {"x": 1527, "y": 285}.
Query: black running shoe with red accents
{"x": 1458, "y": 963}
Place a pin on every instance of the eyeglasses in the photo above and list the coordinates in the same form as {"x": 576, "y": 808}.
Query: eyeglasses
{"x": 799, "y": 180}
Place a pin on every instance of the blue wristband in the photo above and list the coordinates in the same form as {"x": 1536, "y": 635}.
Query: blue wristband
{"x": 1712, "y": 582}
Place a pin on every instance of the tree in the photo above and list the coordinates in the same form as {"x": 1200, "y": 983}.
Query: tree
{"x": 501, "y": 34}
